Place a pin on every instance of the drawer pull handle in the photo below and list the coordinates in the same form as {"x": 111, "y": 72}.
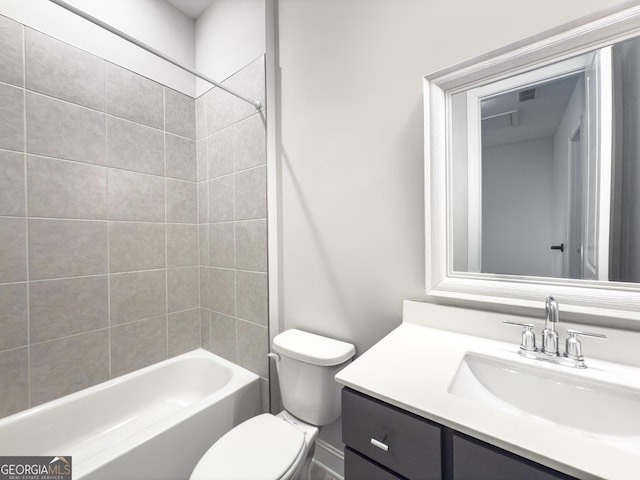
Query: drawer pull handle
{"x": 379, "y": 444}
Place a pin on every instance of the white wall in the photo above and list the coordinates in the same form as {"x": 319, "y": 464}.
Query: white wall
{"x": 229, "y": 34}
{"x": 351, "y": 133}
{"x": 517, "y": 210}
{"x": 154, "y": 22}
{"x": 561, "y": 189}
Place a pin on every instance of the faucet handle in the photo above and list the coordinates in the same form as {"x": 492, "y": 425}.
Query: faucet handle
{"x": 573, "y": 346}
{"x": 528, "y": 342}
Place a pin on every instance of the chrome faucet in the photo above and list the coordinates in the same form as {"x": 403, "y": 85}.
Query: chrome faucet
{"x": 549, "y": 351}
{"x": 549, "y": 334}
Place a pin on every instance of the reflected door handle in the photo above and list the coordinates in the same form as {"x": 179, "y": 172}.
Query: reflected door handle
{"x": 558, "y": 247}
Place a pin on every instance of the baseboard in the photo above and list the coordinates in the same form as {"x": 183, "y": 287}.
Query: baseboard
{"x": 329, "y": 458}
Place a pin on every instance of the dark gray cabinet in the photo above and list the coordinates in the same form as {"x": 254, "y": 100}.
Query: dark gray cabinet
{"x": 384, "y": 442}
{"x": 400, "y": 441}
{"x": 476, "y": 460}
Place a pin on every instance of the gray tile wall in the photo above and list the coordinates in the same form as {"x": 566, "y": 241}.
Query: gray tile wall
{"x": 99, "y": 265}
{"x": 231, "y": 195}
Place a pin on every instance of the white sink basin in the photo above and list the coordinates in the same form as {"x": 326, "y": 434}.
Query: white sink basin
{"x": 594, "y": 407}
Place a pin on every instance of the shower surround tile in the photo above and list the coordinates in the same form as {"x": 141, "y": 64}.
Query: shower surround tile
{"x": 252, "y": 347}
{"x": 249, "y": 143}
{"x": 223, "y": 290}
{"x": 181, "y": 158}
{"x": 134, "y": 147}
{"x": 136, "y": 196}
{"x": 11, "y": 44}
{"x": 14, "y": 386}
{"x": 11, "y": 117}
{"x": 13, "y": 316}
{"x": 182, "y": 285}
{"x": 116, "y": 267}
{"x": 137, "y": 345}
{"x": 201, "y": 153}
{"x": 203, "y": 202}
{"x": 13, "y": 250}
{"x": 134, "y": 97}
{"x": 59, "y": 70}
{"x": 219, "y": 110}
{"x": 251, "y": 245}
{"x": 252, "y": 294}
{"x": 221, "y": 196}
{"x": 201, "y": 117}
{"x": 61, "y": 189}
{"x": 220, "y": 153}
{"x": 59, "y": 308}
{"x": 12, "y": 191}
{"x": 64, "y": 130}
{"x": 250, "y": 81}
{"x": 180, "y": 115}
{"x": 66, "y": 365}
{"x": 137, "y": 295}
{"x": 205, "y": 288}
{"x": 136, "y": 246}
{"x": 184, "y": 331}
{"x": 221, "y": 245}
{"x": 182, "y": 202}
{"x": 251, "y": 194}
{"x": 232, "y": 213}
{"x": 223, "y": 336}
{"x": 66, "y": 248}
{"x": 205, "y": 328}
{"x": 182, "y": 245}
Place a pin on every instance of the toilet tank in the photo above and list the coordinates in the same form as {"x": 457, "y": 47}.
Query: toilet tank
{"x": 306, "y": 367}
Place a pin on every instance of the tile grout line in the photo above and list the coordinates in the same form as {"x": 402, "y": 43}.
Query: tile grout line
{"x": 195, "y": 116}
{"x": 108, "y": 174}
{"x": 235, "y": 255}
{"x": 166, "y": 246}
{"x": 26, "y": 210}
{"x": 205, "y": 121}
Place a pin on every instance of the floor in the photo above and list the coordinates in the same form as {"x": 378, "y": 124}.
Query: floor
{"x": 319, "y": 472}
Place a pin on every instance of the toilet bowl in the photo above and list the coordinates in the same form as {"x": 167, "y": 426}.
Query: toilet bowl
{"x": 280, "y": 447}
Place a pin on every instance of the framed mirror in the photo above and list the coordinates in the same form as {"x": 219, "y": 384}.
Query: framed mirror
{"x": 532, "y": 172}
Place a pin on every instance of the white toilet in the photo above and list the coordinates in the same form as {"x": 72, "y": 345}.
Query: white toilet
{"x": 280, "y": 447}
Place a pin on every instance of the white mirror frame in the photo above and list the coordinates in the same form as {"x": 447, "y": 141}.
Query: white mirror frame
{"x": 602, "y": 300}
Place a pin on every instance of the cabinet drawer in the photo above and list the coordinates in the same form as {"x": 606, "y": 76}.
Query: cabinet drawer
{"x": 476, "y": 460}
{"x": 402, "y": 442}
{"x": 357, "y": 467}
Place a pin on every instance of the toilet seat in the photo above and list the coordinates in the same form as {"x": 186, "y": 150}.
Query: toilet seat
{"x": 263, "y": 447}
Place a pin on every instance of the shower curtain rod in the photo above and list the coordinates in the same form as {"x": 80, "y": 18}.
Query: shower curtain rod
{"x": 152, "y": 50}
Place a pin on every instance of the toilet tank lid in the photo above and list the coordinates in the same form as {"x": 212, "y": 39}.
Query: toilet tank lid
{"x": 310, "y": 348}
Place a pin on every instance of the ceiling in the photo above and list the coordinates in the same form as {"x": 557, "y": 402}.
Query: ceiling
{"x": 508, "y": 120}
{"x": 191, "y": 8}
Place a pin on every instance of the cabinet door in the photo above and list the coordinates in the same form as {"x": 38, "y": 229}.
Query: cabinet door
{"x": 401, "y": 441}
{"x": 475, "y": 460}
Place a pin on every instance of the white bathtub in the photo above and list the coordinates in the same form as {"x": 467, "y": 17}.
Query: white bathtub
{"x": 154, "y": 423}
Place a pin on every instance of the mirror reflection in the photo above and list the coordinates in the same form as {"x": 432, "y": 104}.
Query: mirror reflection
{"x": 545, "y": 167}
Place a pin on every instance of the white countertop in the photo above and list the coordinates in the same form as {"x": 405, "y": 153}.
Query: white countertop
{"x": 412, "y": 368}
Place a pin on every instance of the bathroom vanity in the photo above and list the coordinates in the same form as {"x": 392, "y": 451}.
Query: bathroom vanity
{"x": 422, "y": 449}
{"x": 431, "y": 402}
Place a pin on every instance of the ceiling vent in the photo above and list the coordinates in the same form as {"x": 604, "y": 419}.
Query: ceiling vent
{"x": 525, "y": 95}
